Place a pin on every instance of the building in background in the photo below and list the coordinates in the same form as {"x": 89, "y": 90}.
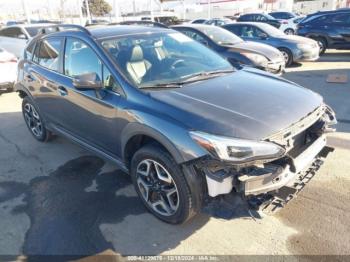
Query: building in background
{"x": 306, "y": 7}
{"x": 68, "y": 10}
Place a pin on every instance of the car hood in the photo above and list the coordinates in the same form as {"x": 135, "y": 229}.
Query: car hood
{"x": 246, "y": 104}
{"x": 297, "y": 39}
{"x": 269, "y": 52}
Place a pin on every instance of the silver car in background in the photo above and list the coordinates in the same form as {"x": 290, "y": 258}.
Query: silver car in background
{"x": 294, "y": 48}
{"x": 14, "y": 38}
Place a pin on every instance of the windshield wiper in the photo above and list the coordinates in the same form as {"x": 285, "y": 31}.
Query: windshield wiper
{"x": 163, "y": 85}
{"x": 189, "y": 79}
{"x": 205, "y": 75}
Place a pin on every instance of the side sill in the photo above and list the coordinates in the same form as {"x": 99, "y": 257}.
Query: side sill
{"x": 89, "y": 147}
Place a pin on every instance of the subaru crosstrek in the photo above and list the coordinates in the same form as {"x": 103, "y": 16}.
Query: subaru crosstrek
{"x": 179, "y": 118}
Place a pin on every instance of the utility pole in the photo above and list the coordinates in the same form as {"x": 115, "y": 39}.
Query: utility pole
{"x": 80, "y": 11}
{"x": 134, "y": 7}
{"x": 183, "y": 10}
{"x": 209, "y": 9}
{"x": 116, "y": 10}
{"x": 151, "y": 9}
{"x": 88, "y": 11}
{"x": 25, "y": 9}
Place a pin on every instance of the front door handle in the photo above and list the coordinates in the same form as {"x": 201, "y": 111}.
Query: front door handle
{"x": 62, "y": 90}
{"x": 29, "y": 78}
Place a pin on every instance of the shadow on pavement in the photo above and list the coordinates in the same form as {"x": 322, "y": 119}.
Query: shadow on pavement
{"x": 79, "y": 210}
{"x": 65, "y": 214}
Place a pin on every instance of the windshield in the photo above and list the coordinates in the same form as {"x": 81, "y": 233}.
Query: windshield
{"x": 220, "y": 36}
{"x": 162, "y": 58}
{"x": 271, "y": 30}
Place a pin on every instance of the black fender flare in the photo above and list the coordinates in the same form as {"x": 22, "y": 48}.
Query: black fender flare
{"x": 180, "y": 156}
{"x": 21, "y": 88}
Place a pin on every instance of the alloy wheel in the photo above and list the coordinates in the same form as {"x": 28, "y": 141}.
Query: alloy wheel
{"x": 285, "y": 56}
{"x": 157, "y": 187}
{"x": 321, "y": 45}
{"x": 289, "y": 31}
{"x": 33, "y": 120}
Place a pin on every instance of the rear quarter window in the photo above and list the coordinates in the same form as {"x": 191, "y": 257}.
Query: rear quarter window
{"x": 47, "y": 53}
{"x": 29, "y": 51}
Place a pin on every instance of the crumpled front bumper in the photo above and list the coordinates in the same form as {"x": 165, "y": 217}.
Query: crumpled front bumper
{"x": 276, "y": 177}
{"x": 272, "y": 176}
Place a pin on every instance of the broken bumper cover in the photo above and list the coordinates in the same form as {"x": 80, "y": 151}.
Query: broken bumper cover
{"x": 276, "y": 176}
{"x": 271, "y": 177}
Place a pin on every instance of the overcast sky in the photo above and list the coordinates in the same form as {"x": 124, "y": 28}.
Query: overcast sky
{"x": 8, "y": 6}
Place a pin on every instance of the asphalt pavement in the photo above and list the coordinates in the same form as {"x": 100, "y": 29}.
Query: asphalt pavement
{"x": 59, "y": 199}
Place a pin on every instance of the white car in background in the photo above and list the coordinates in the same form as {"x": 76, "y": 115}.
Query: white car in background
{"x": 14, "y": 38}
{"x": 289, "y": 21}
{"x": 8, "y": 70}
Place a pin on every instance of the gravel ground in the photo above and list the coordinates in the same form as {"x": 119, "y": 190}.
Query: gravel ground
{"x": 58, "y": 199}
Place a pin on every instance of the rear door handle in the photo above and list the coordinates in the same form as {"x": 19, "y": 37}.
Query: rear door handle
{"x": 62, "y": 90}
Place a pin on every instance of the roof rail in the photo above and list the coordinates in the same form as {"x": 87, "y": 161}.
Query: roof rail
{"x": 141, "y": 23}
{"x": 61, "y": 27}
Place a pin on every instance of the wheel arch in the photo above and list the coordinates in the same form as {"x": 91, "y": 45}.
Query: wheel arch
{"x": 22, "y": 91}
{"x": 315, "y": 36}
{"x": 136, "y": 135}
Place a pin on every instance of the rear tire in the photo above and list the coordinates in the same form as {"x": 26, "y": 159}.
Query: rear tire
{"x": 34, "y": 120}
{"x": 287, "y": 54}
{"x": 161, "y": 185}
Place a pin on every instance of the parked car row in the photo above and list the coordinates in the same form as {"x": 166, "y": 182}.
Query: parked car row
{"x": 8, "y": 70}
{"x": 294, "y": 48}
{"x": 14, "y": 38}
{"x": 237, "y": 51}
{"x": 178, "y": 117}
{"x": 330, "y": 29}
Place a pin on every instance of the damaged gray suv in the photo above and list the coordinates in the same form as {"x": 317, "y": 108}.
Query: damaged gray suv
{"x": 180, "y": 119}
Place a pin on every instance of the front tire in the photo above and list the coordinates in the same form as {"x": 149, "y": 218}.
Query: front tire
{"x": 289, "y": 31}
{"x": 322, "y": 43}
{"x": 288, "y": 56}
{"x": 161, "y": 185}
{"x": 34, "y": 120}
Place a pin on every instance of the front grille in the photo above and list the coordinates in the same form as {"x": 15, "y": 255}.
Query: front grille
{"x": 286, "y": 136}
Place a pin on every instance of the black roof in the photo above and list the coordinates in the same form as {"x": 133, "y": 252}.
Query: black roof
{"x": 117, "y": 30}
{"x": 102, "y": 31}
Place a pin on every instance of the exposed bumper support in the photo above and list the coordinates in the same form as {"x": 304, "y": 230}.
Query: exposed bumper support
{"x": 279, "y": 176}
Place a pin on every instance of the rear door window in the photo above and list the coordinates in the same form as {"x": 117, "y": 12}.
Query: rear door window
{"x": 341, "y": 19}
{"x": 260, "y": 18}
{"x": 29, "y": 52}
{"x": 324, "y": 19}
{"x": 49, "y": 53}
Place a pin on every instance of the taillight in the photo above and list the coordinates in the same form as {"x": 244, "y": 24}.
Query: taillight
{"x": 11, "y": 60}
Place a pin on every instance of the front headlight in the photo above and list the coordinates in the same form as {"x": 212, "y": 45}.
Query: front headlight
{"x": 237, "y": 150}
{"x": 306, "y": 46}
{"x": 256, "y": 58}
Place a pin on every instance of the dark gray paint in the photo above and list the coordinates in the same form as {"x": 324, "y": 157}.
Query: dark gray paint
{"x": 247, "y": 104}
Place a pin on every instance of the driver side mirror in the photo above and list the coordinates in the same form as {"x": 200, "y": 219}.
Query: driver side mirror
{"x": 204, "y": 42}
{"x": 89, "y": 81}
